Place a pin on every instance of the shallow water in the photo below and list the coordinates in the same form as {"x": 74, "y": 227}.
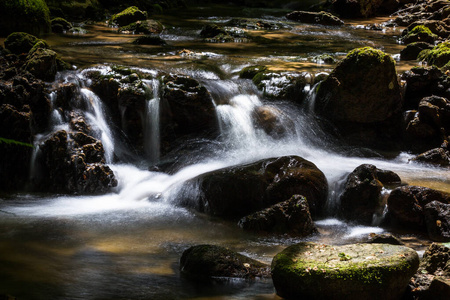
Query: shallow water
{"x": 127, "y": 244}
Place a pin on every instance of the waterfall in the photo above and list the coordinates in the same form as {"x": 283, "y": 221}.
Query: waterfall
{"x": 151, "y": 125}
{"x": 96, "y": 117}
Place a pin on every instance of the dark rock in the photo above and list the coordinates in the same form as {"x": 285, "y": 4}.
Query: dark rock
{"x": 208, "y": 262}
{"x": 420, "y": 82}
{"x": 384, "y": 238}
{"x": 130, "y": 15}
{"x": 280, "y": 85}
{"x": 356, "y": 271}
{"x": 238, "y": 191}
{"x": 420, "y": 33}
{"x": 20, "y": 42}
{"x": 291, "y": 216}
{"x": 321, "y": 18}
{"x": 60, "y": 25}
{"x": 145, "y": 27}
{"x": 272, "y": 121}
{"x": 412, "y": 50}
{"x": 155, "y": 40}
{"x": 212, "y": 30}
{"x": 42, "y": 63}
{"x": 356, "y": 8}
{"x": 432, "y": 280}
{"x": 31, "y": 16}
{"x": 436, "y": 156}
{"x": 437, "y": 220}
{"x": 406, "y": 204}
{"x": 361, "y": 198}
{"x": 363, "y": 88}
{"x": 189, "y": 107}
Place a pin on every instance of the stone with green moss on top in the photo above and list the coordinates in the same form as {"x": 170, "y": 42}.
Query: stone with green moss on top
{"x": 357, "y": 271}
{"x": 31, "y": 16}
{"x": 439, "y": 56}
{"x": 420, "y": 33}
{"x": 21, "y": 42}
{"x": 130, "y": 15}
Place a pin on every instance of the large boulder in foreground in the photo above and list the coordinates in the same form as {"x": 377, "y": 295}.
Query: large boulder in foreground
{"x": 237, "y": 191}
{"x": 206, "y": 262}
{"x": 356, "y": 271}
{"x": 31, "y": 16}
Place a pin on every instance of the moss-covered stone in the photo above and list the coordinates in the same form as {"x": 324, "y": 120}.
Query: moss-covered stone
{"x": 357, "y": 271}
{"x": 31, "y": 16}
{"x": 130, "y": 15}
{"x": 21, "y": 42}
{"x": 420, "y": 33}
{"x": 146, "y": 27}
{"x": 251, "y": 71}
{"x": 60, "y": 25}
{"x": 438, "y": 56}
{"x": 204, "y": 262}
{"x": 321, "y": 18}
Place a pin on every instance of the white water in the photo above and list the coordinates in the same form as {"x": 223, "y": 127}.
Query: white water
{"x": 152, "y": 131}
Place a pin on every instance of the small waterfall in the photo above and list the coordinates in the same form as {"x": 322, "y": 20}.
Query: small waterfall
{"x": 151, "y": 126}
{"x": 96, "y": 117}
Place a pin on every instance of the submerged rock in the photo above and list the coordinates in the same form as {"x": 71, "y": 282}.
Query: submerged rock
{"x": 291, "y": 216}
{"x": 321, "y": 18}
{"x": 238, "y": 191}
{"x": 356, "y": 271}
{"x": 208, "y": 262}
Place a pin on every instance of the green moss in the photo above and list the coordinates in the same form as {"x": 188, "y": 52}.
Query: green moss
{"x": 128, "y": 16}
{"x": 371, "y": 53}
{"x": 21, "y": 42}
{"x": 63, "y": 22}
{"x": 31, "y": 16}
{"x": 14, "y": 142}
{"x": 438, "y": 56}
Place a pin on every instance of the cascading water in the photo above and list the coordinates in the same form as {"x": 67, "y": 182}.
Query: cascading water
{"x": 152, "y": 131}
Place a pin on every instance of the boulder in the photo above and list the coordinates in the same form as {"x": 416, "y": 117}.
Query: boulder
{"x": 412, "y": 50}
{"x": 361, "y": 198}
{"x": 235, "y": 192}
{"x": 406, "y": 204}
{"x": 291, "y": 217}
{"x": 60, "y": 25}
{"x": 437, "y": 220}
{"x": 208, "y": 262}
{"x": 439, "y": 56}
{"x": 437, "y": 156}
{"x": 321, "y": 18}
{"x": 273, "y": 121}
{"x": 211, "y": 30}
{"x": 42, "y": 63}
{"x": 420, "y": 33}
{"x": 145, "y": 27}
{"x": 363, "y": 88}
{"x": 420, "y": 82}
{"x": 384, "y": 238}
{"x": 432, "y": 280}
{"x": 280, "y": 85}
{"x": 21, "y": 42}
{"x": 31, "y": 16}
{"x": 356, "y": 271}
{"x": 130, "y": 15}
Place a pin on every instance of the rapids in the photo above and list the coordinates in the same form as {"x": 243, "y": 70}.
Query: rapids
{"x": 127, "y": 244}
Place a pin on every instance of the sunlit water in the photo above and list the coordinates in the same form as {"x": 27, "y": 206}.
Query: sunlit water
{"x": 127, "y": 244}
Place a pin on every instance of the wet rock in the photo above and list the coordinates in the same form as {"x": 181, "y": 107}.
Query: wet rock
{"x": 412, "y": 50}
{"x": 384, "y": 238}
{"x": 130, "y": 15}
{"x": 282, "y": 85}
{"x": 439, "y": 56}
{"x": 321, "y": 18}
{"x": 145, "y": 27}
{"x": 406, "y": 205}
{"x": 241, "y": 190}
{"x": 361, "y": 98}
{"x": 361, "y": 198}
{"x": 437, "y": 220}
{"x": 211, "y": 30}
{"x": 15, "y": 146}
{"x": 189, "y": 108}
{"x": 60, "y": 25}
{"x": 437, "y": 27}
{"x": 155, "y": 40}
{"x": 31, "y": 16}
{"x": 209, "y": 262}
{"x": 42, "y": 63}
{"x": 291, "y": 216}
{"x": 20, "y": 42}
{"x": 356, "y": 271}
{"x": 420, "y": 33}
{"x": 420, "y": 82}
{"x": 272, "y": 121}
{"x": 357, "y": 92}
{"x": 437, "y": 156}
{"x": 432, "y": 280}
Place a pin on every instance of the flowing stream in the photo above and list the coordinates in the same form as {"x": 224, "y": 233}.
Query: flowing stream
{"x": 127, "y": 244}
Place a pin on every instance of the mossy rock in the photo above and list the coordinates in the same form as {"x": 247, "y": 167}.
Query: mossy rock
{"x": 420, "y": 33}
{"x": 357, "y": 271}
{"x": 21, "y": 42}
{"x": 42, "y": 63}
{"x": 60, "y": 25}
{"x": 439, "y": 56}
{"x": 205, "y": 262}
{"x": 31, "y": 16}
{"x": 145, "y": 27}
{"x": 130, "y": 15}
{"x": 251, "y": 71}
{"x": 320, "y": 18}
